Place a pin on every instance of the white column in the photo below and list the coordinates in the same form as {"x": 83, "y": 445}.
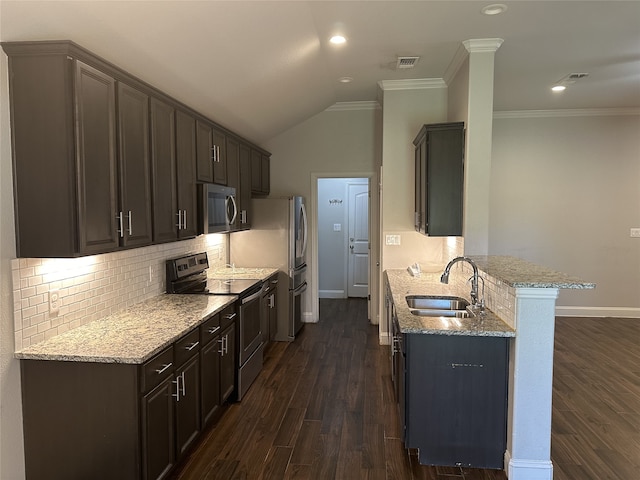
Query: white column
{"x": 528, "y": 455}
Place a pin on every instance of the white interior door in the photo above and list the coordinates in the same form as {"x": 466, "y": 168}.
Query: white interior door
{"x": 358, "y": 263}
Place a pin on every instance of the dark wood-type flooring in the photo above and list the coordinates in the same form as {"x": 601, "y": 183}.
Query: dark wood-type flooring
{"x": 323, "y": 408}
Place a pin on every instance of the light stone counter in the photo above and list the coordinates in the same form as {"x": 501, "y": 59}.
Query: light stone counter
{"x": 402, "y": 284}
{"x": 241, "y": 273}
{"x": 519, "y": 273}
{"x": 133, "y": 335}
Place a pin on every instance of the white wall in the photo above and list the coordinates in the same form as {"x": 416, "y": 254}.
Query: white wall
{"x": 565, "y": 190}
{"x": 338, "y": 142}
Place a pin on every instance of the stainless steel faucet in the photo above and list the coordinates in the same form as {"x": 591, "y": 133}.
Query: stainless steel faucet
{"x": 474, "y": 279}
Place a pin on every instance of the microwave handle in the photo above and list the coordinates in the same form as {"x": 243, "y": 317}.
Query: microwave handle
{"x": 235, "y": 210}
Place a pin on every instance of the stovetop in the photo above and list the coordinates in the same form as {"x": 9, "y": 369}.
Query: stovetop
{"x": 230, "y": 286}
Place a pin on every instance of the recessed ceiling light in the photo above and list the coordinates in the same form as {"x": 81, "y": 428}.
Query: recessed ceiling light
{"x": 494, "y": 9}
{"x": 338, "y": 40}
{"x": 345, "y": 79}
{"x": 558, "y": 88}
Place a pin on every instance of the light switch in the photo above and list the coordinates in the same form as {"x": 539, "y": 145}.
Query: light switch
{"x": 337, "y": 227}
{"x": 635, "y": 232}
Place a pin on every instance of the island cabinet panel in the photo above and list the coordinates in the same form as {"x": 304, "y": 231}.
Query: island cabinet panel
{"x": 80, "y": 420}
{"x": 439, "y": 179}
{"x": 455, "y": 399}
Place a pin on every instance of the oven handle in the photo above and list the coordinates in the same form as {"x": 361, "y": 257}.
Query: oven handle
{"x": 251, "y": 298}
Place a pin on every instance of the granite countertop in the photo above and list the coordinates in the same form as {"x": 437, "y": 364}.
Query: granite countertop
{"x": 519, "y": 273}
{"x": 241, "y": 273}
{"x": 401, "y": 284}
{"x": 133, "y": 335}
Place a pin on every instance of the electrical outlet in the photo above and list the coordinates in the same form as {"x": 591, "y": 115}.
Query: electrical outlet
{"x": 337, "y": 227}
{"x": 54, "y": 302}
{"x": 392, "y": 240}
{"x": 635, "y": 232}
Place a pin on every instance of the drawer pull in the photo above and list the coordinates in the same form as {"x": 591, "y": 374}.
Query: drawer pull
{"x": 230, "y": 316}
{"x": 213, "y": 330}
{"x": 188, "y": 348}
{"x": 164, "y": 368}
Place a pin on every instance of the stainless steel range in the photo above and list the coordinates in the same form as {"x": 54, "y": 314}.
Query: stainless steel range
{"x": 187, "y": 275}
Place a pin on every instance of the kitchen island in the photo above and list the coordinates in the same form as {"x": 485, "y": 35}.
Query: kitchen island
{"x": 520, "y": 297}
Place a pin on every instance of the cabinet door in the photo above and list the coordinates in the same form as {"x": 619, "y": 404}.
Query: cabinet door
{"x": 444, "y": 180}
{"x": 204, "y": 155}
{"x": 420, "y": 187}
{"x": 187, "y": 404}
{"x": 186, "y": 174}
{"x": 243, "y": 195}
{"x": 158, "y": 448}
{"x": 96, "y": 160}
{"x": 220, "y": 157}
{"x": 265, "y": 174}
{"x": 134, "y": 167}
{"x": 163, "y": 163}
{"x": 210, "y": 384}
{"x": 227, "y": 363}
{"x": 233, "y": 175}
{"x": 256, "y": 172}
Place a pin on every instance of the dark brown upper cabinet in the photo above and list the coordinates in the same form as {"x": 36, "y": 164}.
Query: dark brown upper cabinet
{"x": 134, "y": 216}
{"x": 186, "y": 175}
{"x": 260, "y": 175}
{"x": 205, "y": 152}
{"x": 74, "y": 190}
{"x": 104, "y": 161}
{"x": 219, "y": 157}
{"x": 439, "y": 179}
{"x": 243, "y": 195}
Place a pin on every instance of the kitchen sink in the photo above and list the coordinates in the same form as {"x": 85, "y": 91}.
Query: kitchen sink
{"x": 430, "y": 312}
{"x": 430, "y": 302}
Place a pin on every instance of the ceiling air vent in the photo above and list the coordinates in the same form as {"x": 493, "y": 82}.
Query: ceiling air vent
{"x": 572, "y": 78}
{"x": 407, "y": 62}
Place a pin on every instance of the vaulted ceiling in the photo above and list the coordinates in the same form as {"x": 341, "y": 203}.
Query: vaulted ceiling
{"x": 260, "y": 67}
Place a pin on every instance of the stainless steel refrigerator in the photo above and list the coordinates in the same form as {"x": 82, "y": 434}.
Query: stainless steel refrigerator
{"x": 277, "y": 239}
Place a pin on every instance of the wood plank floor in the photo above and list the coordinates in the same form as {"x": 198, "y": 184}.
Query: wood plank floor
{"x": 596, "y": 399}
{"x": 323, "y": 408}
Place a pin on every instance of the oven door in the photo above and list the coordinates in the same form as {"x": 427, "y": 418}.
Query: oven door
{"x": 250, "y": 331}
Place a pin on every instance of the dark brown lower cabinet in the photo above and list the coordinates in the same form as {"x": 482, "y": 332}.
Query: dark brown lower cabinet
{"x": 158, "y": 435}
{"x": 453, "y": 398}
{"x": 109, "y": 420}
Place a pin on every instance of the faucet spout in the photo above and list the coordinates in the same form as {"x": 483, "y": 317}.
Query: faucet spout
{"x": 444, "y": 278}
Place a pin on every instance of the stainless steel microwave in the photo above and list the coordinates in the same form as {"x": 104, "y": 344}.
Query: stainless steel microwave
{"x": 218, "y": 206}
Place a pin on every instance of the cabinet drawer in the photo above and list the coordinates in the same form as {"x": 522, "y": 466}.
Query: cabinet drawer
{"x": 210, "y": 329}
{"x": 227, "y": 316}
{"x": 187, "y": 346}
{"x": 157, "y": 369}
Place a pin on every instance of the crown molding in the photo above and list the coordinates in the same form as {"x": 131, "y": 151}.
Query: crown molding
{"x": 345, "y": 106}
{"x": 412, "y": 84}
{"x": 480, "y": 45}
{"x": 456, "y": 62}
{"x": 575, "y": 112}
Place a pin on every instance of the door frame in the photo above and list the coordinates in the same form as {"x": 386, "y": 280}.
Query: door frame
{"x": 374, "y": 255}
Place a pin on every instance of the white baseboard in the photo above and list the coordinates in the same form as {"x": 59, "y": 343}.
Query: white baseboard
{"x": 528, "y": 469}
{"x": 616, "y": 312}
{"x": 385, "y": 338}
{"x": 331, "y": 294}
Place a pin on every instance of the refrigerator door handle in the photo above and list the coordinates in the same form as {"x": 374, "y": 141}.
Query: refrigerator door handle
{"x": 303, "y": 217}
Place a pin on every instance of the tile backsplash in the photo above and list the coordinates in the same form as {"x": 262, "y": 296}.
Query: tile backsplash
{"x": 90, "y": 288}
